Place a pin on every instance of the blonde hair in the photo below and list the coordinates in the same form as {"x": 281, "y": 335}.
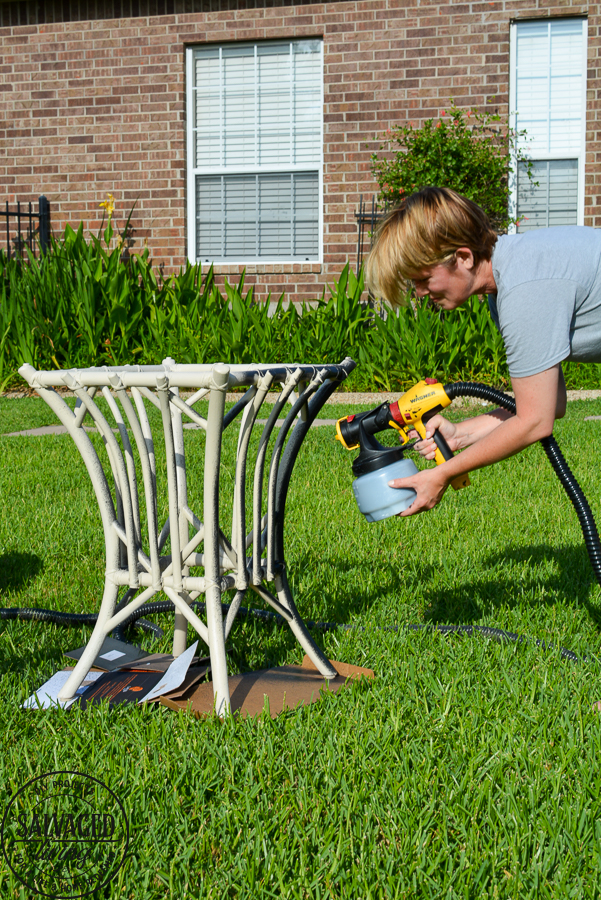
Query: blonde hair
{"x": 425, "y": 230}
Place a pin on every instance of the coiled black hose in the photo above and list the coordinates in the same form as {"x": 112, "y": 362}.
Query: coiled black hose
{"x": 458, "y": 389}
{"x": 48, "y": 615}
{"x": 263, "y": 615}
{"x": 135, "y": 618}
{"x": 78, "y": 619}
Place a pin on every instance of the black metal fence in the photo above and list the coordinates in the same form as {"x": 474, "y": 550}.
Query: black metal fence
{"x": 26, "y": 228}
{"x": 367, "y": 219}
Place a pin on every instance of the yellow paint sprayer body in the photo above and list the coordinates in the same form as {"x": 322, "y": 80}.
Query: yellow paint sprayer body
{"x": 419, "y": 404}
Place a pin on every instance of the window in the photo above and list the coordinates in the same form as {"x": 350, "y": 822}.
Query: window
{"x": 548, "y": 94}
{"x": 255, "y": 115}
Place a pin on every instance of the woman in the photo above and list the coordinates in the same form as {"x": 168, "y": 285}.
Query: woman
{"x": 544, "y": 292}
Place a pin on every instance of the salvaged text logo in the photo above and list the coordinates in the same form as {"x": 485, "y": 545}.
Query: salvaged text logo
{"x": 64, "y": 834}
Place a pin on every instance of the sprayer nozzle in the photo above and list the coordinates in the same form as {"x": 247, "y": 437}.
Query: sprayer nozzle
{"x": 340, "y": 435}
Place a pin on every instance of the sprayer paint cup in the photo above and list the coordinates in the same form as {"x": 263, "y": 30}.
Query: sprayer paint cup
{"x": 376, "y": 499}
{"x": 375, "y": 466}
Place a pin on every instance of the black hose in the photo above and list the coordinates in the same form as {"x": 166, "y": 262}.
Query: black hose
{"x": 482, "y": 391}
{"x": 136, "y": 617}
{"x": 264, "y": 615}
{"x": 495, "y": 634}
{"x": 79, "y": 619}
{"x": 48, "y": 615}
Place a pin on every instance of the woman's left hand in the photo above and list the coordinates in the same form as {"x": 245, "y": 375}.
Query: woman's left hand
{"x": 428, "y": 484}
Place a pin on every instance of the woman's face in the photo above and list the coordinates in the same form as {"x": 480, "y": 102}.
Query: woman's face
{"x": 449, "y": 284}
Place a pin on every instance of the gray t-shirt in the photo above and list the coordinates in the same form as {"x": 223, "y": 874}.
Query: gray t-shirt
{"x": 548, "y": 301}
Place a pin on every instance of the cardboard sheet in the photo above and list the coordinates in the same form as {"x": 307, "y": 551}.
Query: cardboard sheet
{"x": 160, "y": 662}
{"x": 112, "y": 654}
{"x": 284, "y": 687}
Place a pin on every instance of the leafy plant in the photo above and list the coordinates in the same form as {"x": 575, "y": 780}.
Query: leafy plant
{"x": 466, "y": 150}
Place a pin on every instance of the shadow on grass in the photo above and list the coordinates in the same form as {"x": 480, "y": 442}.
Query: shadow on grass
{"x": 16, "y": 569}
{"x": 324, "y": 589}
{"x": 28, "y": 644}
{"x": 314, "y": 578}
{"x": 507, "y": 578}
{"x": 519, "y": 577}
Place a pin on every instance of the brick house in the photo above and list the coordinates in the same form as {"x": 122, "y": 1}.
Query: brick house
{"x": 243, "y": 128}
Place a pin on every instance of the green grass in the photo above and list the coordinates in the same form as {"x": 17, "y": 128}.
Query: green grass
{"x": 468, "y": 768}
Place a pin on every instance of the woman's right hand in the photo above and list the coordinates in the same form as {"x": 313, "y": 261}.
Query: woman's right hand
{"x": 427, "y": 447}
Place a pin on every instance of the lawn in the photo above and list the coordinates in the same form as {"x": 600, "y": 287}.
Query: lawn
{"x": 467, "y": 769}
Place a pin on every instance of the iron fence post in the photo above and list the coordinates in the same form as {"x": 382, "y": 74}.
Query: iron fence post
{"x": 44, "y": 223}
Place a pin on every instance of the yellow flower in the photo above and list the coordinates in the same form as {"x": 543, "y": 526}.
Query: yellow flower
{"x": 109, "y": 204}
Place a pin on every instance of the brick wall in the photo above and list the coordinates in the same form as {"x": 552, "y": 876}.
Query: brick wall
{"x": 97, "y": 105}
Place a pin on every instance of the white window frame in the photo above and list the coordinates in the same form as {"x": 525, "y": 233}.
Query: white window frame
{"x": 247, "y": 170}
{"x": 513, "y": 120}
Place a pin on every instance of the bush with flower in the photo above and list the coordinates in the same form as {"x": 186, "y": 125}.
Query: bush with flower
{"x": 467, "y": 150}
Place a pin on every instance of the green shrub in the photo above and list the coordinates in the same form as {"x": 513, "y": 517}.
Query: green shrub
{"x": 466, "y": 150}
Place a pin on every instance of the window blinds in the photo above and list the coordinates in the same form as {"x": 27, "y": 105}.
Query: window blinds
{"x": 257, "y": 216}
{"x": 549, "y": 73}
{"x": 549, "y": 80}
{"x": 259, "y": 108}
{"x": 551, "y": 198}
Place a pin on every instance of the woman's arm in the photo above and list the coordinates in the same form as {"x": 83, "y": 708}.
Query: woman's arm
{"x": 458, "y": 435}
{"x": 463, "y": 434}
{"x": 539, "y": 399}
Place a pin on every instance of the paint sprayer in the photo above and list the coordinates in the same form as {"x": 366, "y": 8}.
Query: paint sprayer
{"x": 376, "y": 464}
